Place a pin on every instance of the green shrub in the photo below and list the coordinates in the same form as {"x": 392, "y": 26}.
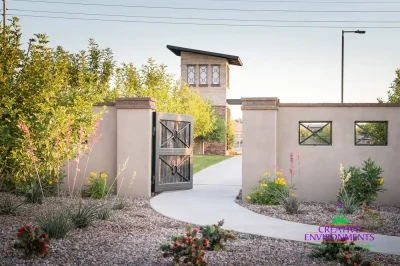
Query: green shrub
{"x": 266, "y": 193}
{"x": 9, "y": 205}
{"x": 120, "y": 203}
{"x": 331, "y": 248}
{"x": 292, "y": 204}
{"x": 342, "y": 251}
{"x": 33, "y": 193}
{"x": 85, "y": 214}
{"x": 105, "y": 212}
{"x": 55, "y": 222}
{"x": 96, "y": 186}
{"x": 349, "y": 202}
{"x": 363, "y": 184}
{"x": 217, "y": 236}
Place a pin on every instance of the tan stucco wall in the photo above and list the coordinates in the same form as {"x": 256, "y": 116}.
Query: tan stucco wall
{"x": 103, "y": 155}
{"x": 134, "y": 142}
{"x": 126, "y": 133}
{"x": 259, "y": 146}
{"x": 216, "y": 94}
{"x": 319, "y": 179}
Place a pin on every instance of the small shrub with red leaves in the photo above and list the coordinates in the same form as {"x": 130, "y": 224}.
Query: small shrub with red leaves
{"x": 217, "y": 236}
{"x": 188, "y": 248}
{"x": 33, "y": 241}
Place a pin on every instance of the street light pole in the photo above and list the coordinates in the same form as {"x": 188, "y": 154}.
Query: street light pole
{"x": 29, "y": 46}
{"x": 343, "y": 32}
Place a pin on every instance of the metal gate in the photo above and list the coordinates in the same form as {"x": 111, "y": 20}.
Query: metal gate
{"x": 172, "y": 152}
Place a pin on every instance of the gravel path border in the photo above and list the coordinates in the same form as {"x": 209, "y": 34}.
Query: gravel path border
{"x": 320, "y": 213}
{"x": 133, "y": 237}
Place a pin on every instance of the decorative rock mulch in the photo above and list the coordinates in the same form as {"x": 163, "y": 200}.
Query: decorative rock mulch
{"x": 133, "y": 237}
{"x": 319, "y": 213}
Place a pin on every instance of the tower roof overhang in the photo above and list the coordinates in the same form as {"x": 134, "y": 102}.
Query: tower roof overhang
{"x": 232, "y": 59}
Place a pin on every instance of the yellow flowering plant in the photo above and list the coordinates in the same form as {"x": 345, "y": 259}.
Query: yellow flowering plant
{"x": 265, "y": 192}
{"x": 96, "y": 186}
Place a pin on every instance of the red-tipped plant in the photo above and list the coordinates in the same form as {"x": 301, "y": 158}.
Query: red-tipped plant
{"x": 30, "y": 151}
{"x": 33, "y": 241}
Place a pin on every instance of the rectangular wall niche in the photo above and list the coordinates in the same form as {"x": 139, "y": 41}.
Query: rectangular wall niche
{"x": 371, "y": 133}
{"x": 315, "y": 133}
{"x": 191, "y": 71}
{"x": 203, "y": 75}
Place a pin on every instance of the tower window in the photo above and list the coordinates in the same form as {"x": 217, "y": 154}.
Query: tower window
{"x": 191, "y": 73}
{"x": 215, "y": 74}
{"x": 203, "y": 75}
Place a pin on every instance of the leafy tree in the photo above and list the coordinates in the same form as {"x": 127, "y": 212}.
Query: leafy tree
{"x": 171, "y": 96}
{"x": 230, "y": 134}
{"x": 52, "y": 92}
{"x": 47, "y": 98}
{"x": 394, "y": 92}
{"x": 218, "y": 134}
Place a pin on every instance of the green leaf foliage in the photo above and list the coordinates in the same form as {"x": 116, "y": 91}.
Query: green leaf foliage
{"x": 217, "y": 236}
{"x": 152, "y": 80}
{"x": 365, "y": 183}
{"x": 47, "y": 96}
{"x": 52, "y": 92}
{"x": 394, "y": 91}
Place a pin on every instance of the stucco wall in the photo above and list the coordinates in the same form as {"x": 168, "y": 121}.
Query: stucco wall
{"x": 126, "y": 133}
{"x": 103, "y": 155}
{"x": 319, "y": 179}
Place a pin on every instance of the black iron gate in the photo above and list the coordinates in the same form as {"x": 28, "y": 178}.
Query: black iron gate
{"x": 172, "y": 162}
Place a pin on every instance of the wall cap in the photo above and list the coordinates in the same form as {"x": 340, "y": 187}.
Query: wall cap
{"x": 105, "y": 104}
{"x": 135, "y": 103}
{"x": 338, "y": 104}
{"x": 260, "y": 103}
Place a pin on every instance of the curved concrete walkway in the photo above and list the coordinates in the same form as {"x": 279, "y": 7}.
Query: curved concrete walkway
{"x": 212, "y": 199}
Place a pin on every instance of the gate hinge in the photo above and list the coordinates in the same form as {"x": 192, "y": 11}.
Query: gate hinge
{"x": 154, "y": 131}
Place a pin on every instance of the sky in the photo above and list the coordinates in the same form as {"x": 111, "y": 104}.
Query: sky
{"x": 293, "y": 64}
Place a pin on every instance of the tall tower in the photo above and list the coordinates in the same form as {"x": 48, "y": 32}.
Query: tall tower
{"x": 209, "y": 73}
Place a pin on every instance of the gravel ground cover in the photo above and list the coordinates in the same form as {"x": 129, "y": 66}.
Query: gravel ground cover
{"x": 133, "y": 237}
{"x": 319, "y": 213}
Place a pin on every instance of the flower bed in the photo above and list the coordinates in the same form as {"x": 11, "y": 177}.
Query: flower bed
{"x": 133, "y": 237}
{"x": 319, "y": 213}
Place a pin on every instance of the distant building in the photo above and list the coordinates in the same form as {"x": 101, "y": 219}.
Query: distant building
{"x": 209, "y": 73}
{"x": 238, "y": 135}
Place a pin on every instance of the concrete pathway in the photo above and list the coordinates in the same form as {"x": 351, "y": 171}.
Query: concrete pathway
{"x": 212, "y": 199}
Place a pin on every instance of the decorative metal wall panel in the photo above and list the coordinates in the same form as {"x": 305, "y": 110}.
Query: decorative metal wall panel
{"x": 371, "y": 133}
{"x": 215, "y": 75}
{"x": 191, "y": 74}
{"x": 315, "y": 133}
{"x": 203, "y": 75}
{"x": 172, "y": 152}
